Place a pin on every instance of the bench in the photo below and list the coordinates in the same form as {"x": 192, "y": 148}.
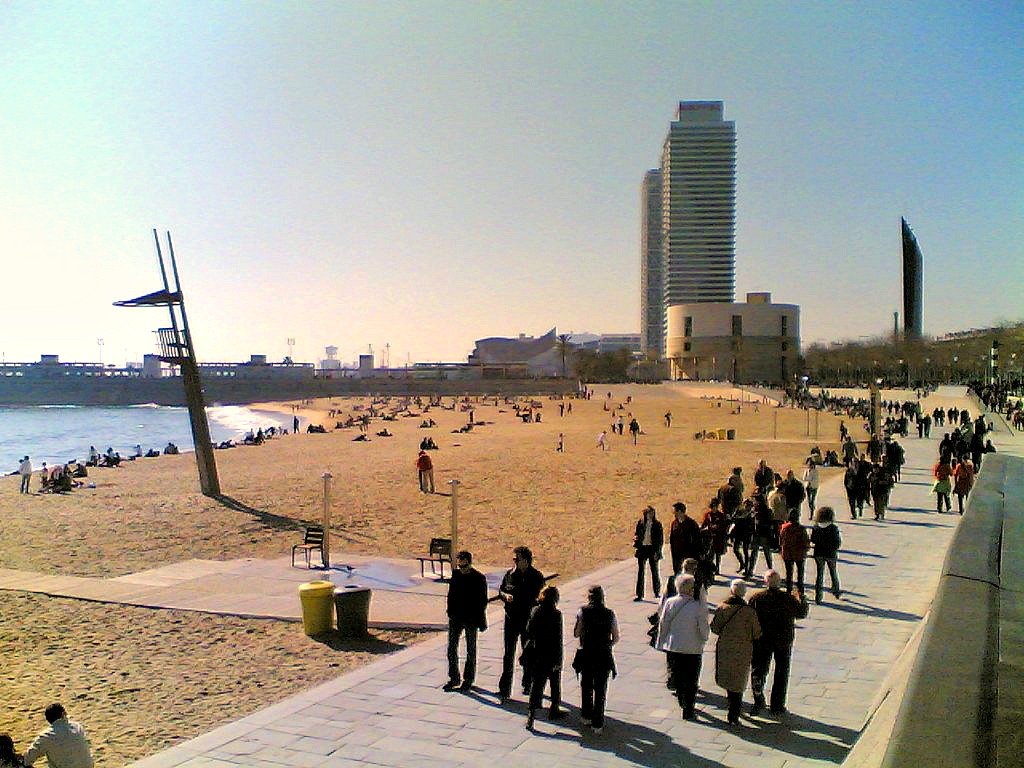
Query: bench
{"x": 439, "y": 554}
{"x": 312, "y": 541}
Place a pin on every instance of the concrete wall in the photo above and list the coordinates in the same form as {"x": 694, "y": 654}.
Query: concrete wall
{"x": 970, "y": 661}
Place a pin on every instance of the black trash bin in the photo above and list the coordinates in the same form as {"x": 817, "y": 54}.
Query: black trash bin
{"x": 352, "y": 604}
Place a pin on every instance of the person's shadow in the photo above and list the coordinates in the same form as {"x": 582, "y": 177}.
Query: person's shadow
{"x": 628, "y": 741}
{"x": 789, "y": 733}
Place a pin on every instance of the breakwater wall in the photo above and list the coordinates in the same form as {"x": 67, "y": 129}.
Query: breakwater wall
{"x": 169, "y": 391}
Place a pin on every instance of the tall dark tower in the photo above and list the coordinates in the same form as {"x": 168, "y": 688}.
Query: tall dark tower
{"x": 912, "y": 293}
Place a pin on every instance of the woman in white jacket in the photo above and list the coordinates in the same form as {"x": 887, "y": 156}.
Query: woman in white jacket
{"x": 683, "y": 630}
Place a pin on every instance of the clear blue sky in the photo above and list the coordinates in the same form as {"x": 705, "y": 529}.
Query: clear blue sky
{"x": 425, "y": 174}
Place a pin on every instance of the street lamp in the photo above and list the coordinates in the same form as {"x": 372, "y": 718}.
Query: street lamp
{"x": 99, "y": 343}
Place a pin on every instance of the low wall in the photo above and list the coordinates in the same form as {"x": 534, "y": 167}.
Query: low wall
{"x": 948, "y": 716}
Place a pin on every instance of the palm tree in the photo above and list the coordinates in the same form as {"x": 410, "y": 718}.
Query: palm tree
{"x": 565, "y": 348}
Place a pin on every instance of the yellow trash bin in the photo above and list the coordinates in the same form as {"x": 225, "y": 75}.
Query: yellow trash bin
{"x": 721, "y": 434}
{"x": 317, "y": 599}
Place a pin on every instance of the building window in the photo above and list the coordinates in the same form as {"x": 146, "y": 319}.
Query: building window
{"x": 785, "y": 325}
{"x": 737, "y": 325}
{"x": 687, "y": 326}
{"x": 686, "y": 346}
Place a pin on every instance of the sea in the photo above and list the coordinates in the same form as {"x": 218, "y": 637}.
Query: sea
{"x": 59, "y": 433}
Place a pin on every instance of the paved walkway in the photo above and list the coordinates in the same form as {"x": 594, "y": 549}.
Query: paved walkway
{"x": 264, "y": 589}
{"x": 394, "y": 713}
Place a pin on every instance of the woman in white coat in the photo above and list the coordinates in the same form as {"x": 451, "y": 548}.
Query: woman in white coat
{"x": 683, "y": 630}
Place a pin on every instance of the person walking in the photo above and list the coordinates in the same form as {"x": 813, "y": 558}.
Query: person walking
{"x": 764, "y": 535}
{"x": 684, "y": 537}
{"x": 425, "y": 468}
{"x": 634, "y": 429}
{"x": 543, "y": 655}
{"x": 683, "y": 630}
{"x": 942, "y": 471}
{"x": 597, "y": 630}
{"x": 519, "y": 591}
{"x": 777, "y": 612}
{"x": 602, "y": 440}
{"x": 737, "y": 627}
{"x": 25, "y": 470}
{"x": 64, "y": 744}
{"x": 880, "y": 482}
{"x": 855, "y": 492}
{"x": 963, "y": 482}
{"x": 715, "y": 528}
{"x": 742, "y": 528}
{"x": 467, "y": 613}
{"x": 794, "y": 492}
{"x": 794, "y": 544}
{"x": 668, "y": 419}
{"x": 826, "y": 540}
{"x": 811, "y": 480}
{"x": 648, "y": 538}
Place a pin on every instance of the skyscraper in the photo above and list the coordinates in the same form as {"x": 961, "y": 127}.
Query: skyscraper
{"x": 698, "y": 205}
{"x": 652, "y": 285}
{"x": 912, "y": 294}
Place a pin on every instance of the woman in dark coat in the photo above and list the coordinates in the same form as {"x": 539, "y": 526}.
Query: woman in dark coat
{"x": 543, "y": 654}
{"x": 598, "y": 631}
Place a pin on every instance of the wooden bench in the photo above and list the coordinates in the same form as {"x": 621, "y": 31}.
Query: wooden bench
{"x": 440, "y": 553}
{"x": 312, "y": 541}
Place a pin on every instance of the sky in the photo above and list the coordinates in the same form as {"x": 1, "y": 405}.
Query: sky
{"x": 424, "y": 174}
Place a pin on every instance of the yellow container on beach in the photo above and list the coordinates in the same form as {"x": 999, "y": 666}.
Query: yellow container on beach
{"x": 721, "y": 434}
{"x": 317, "y": 599}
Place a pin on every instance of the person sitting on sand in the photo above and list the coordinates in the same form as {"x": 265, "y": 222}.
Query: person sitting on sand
{"x": 170, "y": 449}
{"x": 8, "y": 757}
{"x": 384, "y": 433}
{"x": 63, "y": 744}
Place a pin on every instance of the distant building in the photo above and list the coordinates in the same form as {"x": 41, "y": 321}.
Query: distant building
{"x": 688, "y": 235}
{"x": 652, "y": 284}
{"x": 330, "y": 362}
{"x": 698, "y": 205}
{"x": 501, "y": 357}
{"x": 50, "y": 367}
{"x": 755, "y": 341}
{"x": 913, "y": 301}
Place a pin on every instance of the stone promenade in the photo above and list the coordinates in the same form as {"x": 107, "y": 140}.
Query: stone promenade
{"x": 394, "y": 713}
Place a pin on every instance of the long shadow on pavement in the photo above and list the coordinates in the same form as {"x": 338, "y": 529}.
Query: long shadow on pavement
{"x": 863, "y": 609}
{"x": 787, "y": 734}
{"x": 628, "y": 741}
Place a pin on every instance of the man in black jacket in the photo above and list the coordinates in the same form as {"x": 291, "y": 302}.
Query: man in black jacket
{"x": 647, "y": 541}
{"x": 467, "y": 606}
{"x": 777, "y": 612}
{"x": 519, "y": 590}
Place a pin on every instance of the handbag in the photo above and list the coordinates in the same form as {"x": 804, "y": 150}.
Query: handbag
{"x": 579, "y": 661}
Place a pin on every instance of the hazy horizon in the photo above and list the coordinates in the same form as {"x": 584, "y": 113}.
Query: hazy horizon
{"x": 426, "y": 174}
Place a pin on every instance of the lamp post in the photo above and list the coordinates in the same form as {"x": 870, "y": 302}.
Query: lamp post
{"x": 99, "y": 343}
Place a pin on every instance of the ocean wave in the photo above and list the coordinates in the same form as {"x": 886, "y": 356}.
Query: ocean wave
{"x": 240, "y": 419}
{"x": 58, "y": 406}
{"x": 153, "y": 405}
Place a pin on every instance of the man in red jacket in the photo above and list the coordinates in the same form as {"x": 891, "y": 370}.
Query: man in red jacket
{"x": 426, "y": 471}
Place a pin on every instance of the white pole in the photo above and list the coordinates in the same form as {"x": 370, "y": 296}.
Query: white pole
{"x": 327, "y": 518}
{"x": 455, "y": 515}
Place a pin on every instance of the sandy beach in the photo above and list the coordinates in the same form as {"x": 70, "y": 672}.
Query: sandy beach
{"x": 142, "y": 680}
